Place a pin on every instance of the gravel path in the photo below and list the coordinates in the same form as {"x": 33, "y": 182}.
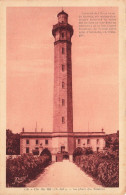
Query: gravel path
{"x": 63, "y": 174}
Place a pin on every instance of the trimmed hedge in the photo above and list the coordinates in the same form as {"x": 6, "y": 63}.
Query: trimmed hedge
{"x": 24, "y": 168}
{"x": 99, "y": 166}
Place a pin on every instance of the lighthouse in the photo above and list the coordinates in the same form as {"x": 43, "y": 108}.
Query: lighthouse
{"x": 62, "y": 141}
{"x": 62, "y": 102}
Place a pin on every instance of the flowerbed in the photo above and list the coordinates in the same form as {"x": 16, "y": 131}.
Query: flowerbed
{"x": 24, "y": 168}
{"x": 101, "y": 167}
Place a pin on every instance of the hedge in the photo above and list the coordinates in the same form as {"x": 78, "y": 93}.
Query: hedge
{"x": 100, "y": 167}
{"x": 24, "y": 168}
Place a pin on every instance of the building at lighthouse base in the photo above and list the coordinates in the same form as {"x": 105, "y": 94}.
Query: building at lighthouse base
{"x": 62, "y": 143}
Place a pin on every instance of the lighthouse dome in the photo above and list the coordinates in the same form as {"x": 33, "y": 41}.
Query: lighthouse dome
{"x": 62, "y": 17}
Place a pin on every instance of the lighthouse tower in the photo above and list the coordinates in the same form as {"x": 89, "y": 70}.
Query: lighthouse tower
{"x": 62, "y": 108}
{"x": 62, "y": 142}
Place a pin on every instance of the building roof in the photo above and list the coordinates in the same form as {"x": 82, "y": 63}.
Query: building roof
{"x": 60, "y": 134}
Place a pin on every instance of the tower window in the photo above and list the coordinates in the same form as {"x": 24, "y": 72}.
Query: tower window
{"x": 63, "y": 85}
{"x": 62, "y": 35}
{"x": 27, "y": 149}
{"x": 63, "y": 67}
{"x": 27, "y": 141}
{"x": 88, "y": 141}
{"x": 63, "y": 120}
{"x": 63, "y": 102}
{"x": 46, "y": 141}
{"x": 62, "y": 50}
{"x": 36, "y": 141}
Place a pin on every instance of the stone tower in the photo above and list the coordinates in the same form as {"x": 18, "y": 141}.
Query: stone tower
{"x": 62, "y": 141}
{"x": 62, "y": 106}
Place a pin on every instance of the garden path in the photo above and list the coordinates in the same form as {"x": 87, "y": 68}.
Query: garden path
{"x": 63, "y": 174}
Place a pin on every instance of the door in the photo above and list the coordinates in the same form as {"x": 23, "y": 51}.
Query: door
{"x": 62, "y": 149}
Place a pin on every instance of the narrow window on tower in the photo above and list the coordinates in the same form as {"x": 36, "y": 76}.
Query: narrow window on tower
{"x": 63, "y": 67}
{"x": 63, "y": 102}
{"x": 63, "y": 120}
{"x": 62, "y": 50}
{"x": 63, "y": 85}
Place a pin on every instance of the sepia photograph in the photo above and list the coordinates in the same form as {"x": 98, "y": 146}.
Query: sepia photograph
{"x": 62, "y": 97}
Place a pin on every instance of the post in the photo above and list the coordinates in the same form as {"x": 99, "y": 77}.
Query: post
{"x": 71, "y": 158}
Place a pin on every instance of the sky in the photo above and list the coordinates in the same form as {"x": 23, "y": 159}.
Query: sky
{"x": 30, "y": 71}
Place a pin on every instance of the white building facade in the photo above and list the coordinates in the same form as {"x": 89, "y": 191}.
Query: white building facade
{"x": 57, "y": 142}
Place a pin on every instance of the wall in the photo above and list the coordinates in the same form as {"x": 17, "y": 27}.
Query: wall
{"x": 32, "y": 144}
{"x": 93, "y": 143}
{"x": 60, "y": 93}
{"x": 57, "y": 142}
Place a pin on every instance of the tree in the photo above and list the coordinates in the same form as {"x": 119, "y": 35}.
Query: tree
{"x": 77, "y": 152}
{"x": 12, "y": 143}
{"x": 112, "y": 141}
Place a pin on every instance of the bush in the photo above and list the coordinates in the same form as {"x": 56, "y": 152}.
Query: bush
{"x": 80, "y": 151}
{"x": 77, "y": 152}
{"x": 24, "y": 168}
{"x": 101, "y": 166}
{"x": 35, "y": 152}
{"x": 108, "y": 173}
{"x": 87, "y": 151}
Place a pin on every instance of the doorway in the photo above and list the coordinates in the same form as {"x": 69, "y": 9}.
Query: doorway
{"x": 62, "y": 149}
{"x": 62, "y": 154}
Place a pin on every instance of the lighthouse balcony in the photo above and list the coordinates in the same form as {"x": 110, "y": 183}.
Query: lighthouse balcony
{"x": 62, "y": 26}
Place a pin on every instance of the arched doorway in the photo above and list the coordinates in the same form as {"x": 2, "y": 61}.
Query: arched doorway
{"x": 46, "y": 152}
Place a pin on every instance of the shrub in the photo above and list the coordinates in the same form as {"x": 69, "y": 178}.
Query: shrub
{"x": 87, "y": 151}
{"x": 80, "y": 151}
{"x": 101, "y": 166}
{"x": 108, "y": 173}
{"x": 77, "y": 152}
{"x": 24, "y": 168}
